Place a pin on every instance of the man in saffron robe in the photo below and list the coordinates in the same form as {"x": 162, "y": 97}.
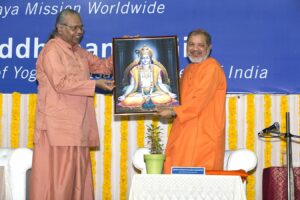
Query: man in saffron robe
{"x": 197, "y": 137}
{"x": 65, "y": 115}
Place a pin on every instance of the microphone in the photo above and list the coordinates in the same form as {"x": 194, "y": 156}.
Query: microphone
{"x": 273, "y": 127}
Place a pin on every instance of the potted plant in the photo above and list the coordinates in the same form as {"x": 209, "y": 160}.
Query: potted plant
{"x": 155, "y": 160}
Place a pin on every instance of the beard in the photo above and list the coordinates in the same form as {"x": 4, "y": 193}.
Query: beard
{"x": 197, "y": 60}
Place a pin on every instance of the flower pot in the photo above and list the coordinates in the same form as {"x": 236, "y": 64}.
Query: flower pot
{"x": 154, "y": 163}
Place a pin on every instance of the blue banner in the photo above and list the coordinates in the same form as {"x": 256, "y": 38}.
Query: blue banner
{"x": 257, "y": 42}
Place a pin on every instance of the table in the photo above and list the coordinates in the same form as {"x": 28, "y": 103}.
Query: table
{"x": 275, "y": 183}
{"x": 191, "y": 187}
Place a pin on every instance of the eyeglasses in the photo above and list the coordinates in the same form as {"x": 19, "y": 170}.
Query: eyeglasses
{"x": 74, "y": 28}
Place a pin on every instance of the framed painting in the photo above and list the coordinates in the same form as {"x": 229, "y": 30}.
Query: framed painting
{"x": 146, "y": 74}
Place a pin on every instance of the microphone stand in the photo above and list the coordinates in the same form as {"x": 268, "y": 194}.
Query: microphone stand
{"x": 288, "y": 137}
{"x": 289, "y": 162}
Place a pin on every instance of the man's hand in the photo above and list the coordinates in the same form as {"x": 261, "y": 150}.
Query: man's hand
{"x": 166, "y": 113}
{"x": 105, "y": 84}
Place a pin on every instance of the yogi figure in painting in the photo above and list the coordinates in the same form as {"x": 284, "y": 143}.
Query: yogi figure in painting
{"x": 148, "y": 82}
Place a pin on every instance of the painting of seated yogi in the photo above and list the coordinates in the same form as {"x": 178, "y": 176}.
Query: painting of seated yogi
{"x": 146, "y": 83}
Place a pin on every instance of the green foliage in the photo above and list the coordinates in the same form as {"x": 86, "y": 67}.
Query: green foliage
{"x": 154, "y": 139}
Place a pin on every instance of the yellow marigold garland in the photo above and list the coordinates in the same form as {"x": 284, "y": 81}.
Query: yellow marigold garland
{"x": 15, "y": 122}
{"x": 140, "y": 131}
{"x": 232, "y": 128}
{"x": 170, "y": 123}
{"x": 250, "y": 139}
{"x": 106, "y": 189}
{"x": 31, "y": 119}
{"x": 1, "y": 112}
{"x": 283, "y": 110}
{"x": 267, "y": 122}
{"x": 123, "y": 157}
{"x": 155, "y": 121}
{"x": 95, "y": 101}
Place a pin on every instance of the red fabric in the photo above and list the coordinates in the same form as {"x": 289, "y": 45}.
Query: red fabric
{"x": 275, "y": 185}
{"x": 240, "y": 173}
